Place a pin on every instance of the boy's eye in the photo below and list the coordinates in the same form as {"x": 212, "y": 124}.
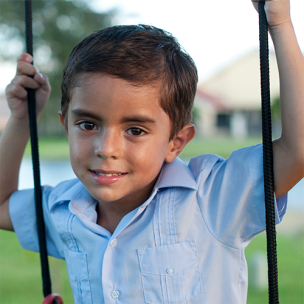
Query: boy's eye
{"x": 88, "y": 126}
{"x": 135, "y": 131}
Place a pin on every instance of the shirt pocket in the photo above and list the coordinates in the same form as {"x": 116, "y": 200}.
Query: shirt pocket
{"x": 170, "y": 274}
{"x": 77, "y": 267}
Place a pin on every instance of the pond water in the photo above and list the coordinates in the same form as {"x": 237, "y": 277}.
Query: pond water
{"x": 53, "y": 172}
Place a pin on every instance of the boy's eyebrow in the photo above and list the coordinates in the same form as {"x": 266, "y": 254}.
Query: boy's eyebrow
{"x": 81, "y": 112}
{"x": 138, "y": 118}
{"x": 135, "y": 118}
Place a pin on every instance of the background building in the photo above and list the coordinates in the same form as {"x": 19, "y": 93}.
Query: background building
{"x": 230, "y": 101}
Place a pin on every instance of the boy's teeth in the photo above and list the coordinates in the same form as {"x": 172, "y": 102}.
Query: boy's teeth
{"x": 112, "y": 174}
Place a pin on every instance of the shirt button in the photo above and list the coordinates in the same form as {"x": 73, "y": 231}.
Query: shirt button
{"x": 113, "y": 243}
{"x": 114, "y": 294}
{"x": 169, "y": 271}
{"x": 73, "y": 278}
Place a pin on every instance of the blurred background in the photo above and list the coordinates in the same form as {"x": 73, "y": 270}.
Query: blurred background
{"x": 222, "y": 37}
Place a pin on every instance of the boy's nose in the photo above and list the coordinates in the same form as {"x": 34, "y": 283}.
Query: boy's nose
{"x": 108, "y": 145}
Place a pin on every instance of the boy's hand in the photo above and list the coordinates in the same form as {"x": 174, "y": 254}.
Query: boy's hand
{"x": 277, "y": 11}
{"x": 16, "y": 93}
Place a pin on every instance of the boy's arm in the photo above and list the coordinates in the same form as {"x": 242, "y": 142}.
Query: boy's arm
{"x": 288, "y": 150}
{"x": 16, "y": 133}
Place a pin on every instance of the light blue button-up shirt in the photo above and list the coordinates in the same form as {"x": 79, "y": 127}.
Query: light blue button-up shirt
{"x": 185, "y": 244}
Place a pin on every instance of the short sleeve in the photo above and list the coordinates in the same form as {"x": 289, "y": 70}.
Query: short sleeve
{"x": 231, "y": 195}
{"x": 23, "y": 215}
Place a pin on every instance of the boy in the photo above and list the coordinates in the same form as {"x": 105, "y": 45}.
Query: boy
{"x": 138, "y": 225}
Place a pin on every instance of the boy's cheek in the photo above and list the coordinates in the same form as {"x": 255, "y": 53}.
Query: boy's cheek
{"x": 77, "y": 149}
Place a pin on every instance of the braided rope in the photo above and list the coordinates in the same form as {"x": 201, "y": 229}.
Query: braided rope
{"x": 35, "y": 159}
{"x": 273, "y": 291}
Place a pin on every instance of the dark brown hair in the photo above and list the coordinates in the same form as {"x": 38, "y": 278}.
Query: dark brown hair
{"x": 142, "y": 55}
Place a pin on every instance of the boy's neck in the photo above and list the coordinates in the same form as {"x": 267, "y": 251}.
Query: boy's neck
{"x": 109, "y": 214}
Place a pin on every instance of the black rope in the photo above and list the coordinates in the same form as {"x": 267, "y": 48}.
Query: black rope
{"x": 273, "y": 291}
{"x": 46, "y": 281}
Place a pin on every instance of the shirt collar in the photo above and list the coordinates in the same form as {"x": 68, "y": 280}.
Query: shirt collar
{"x": 77, "y": 192}
{"x": 176, "y": 174}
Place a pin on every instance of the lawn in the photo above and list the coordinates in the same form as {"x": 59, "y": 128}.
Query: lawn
{"x": 222, "y": 146}
{"x": 51, "y": 148}
{"x": 20, "y": 274}
{"x": 290, "y": 269}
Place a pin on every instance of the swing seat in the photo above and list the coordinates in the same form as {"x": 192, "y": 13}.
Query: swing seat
{"x": 51, "y": 298}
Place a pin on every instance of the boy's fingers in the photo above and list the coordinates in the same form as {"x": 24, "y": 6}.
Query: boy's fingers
{"x": 25, "y": 68}
{"x": 26, "y": 82}
{"x": 16, "y": 90}
{"x": 43, "y": 81}
{"x": 40, "y": 78}
{"x": 25, "y": 57}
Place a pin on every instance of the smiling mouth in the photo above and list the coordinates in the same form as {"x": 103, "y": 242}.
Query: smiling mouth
{"x": 109, "y": 174}
{"x": 107, "y": 178}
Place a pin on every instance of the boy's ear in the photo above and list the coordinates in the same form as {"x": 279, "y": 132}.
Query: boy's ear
{"x": 180, "y": 140}
{"x": 63, "y": 122}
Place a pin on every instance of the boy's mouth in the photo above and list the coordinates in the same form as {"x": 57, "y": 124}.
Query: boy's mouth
{"x": 107, "y": 177}
{"x": 109, "y": 174}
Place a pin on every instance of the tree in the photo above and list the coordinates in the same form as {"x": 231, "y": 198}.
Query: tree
{"x": 57, "y": 27}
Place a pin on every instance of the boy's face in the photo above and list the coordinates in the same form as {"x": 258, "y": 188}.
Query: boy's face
{"x": 119, "y": 138}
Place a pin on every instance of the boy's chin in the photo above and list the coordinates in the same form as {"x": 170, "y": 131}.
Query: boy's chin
{"x": 106, "y": 196}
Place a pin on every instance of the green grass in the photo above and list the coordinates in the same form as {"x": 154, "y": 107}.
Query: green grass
{"x": 58, "y": 148}
{"x": 222, "y": 146}
{"x": 20, "y": 281}
{"x": 51, "y": 148}
{"x": 20, "y": 276}
{"x": 290, "y": 269}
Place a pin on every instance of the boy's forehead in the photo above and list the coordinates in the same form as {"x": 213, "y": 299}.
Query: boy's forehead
{"x": 96, "y": 90}
{"x": 88, "y": 83}
{"x": 85, "y": 81}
